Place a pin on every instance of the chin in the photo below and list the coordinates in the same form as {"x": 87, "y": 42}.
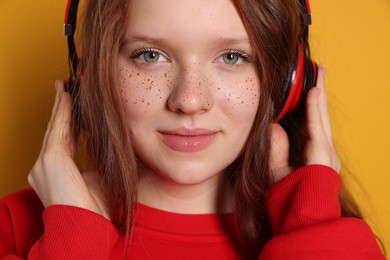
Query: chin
{"x": 189, "y": 175}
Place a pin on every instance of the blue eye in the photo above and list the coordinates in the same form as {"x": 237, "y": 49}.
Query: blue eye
{"x": 149, "y": 55}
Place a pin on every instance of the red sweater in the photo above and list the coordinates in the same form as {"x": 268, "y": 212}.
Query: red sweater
{"x": 303, "y": 210}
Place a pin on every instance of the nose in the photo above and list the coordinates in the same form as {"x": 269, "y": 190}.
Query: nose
{"x": 191, "y": 93}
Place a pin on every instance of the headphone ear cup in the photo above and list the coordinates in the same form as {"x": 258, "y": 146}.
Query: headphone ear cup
{"x": 293, "y": 86}
{"x": 299, "y": 80}
{"x": 287, "y": 85}
{"x": 288, "y": 82}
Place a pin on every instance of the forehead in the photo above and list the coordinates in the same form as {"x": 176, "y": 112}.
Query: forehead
{"x": 182, "y": 18}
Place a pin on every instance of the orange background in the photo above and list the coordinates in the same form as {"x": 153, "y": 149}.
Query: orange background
{"x": 352, "y": 39}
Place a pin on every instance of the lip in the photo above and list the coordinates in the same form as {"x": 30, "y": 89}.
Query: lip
{"x": 188, "y": 140}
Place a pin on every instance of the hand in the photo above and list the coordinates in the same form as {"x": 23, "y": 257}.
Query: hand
{"x": 319, "y": 147}
{"x": 55, "y": 176}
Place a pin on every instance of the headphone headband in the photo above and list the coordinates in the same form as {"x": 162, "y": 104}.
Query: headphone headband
{"x": 70, "y": 17}
{"x": 70, "y": 20}
{"x": 306, "y": 11}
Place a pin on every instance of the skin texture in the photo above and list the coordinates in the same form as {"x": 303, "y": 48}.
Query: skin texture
{"x": 190, "y": 87}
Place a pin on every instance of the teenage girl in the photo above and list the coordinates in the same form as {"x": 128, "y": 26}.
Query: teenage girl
{"x": 179, "y": 105}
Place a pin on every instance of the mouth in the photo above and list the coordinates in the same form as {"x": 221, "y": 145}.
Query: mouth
{"x": 188, "y": 140}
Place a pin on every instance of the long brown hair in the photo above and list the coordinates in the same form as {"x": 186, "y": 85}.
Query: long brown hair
{"x": 274, "y": 26}
{"x": 97, "y": 107}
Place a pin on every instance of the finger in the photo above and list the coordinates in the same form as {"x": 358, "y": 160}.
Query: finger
{"x": 60, "y": 134}
{"x": 313, "y": 114}
{"x": 323, "y": 105}
{"x": 59, "y": 90}
{"x": 317, "y": 149}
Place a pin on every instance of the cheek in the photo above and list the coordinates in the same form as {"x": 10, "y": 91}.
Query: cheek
{"x": 240, "y": 97}
{"x": 140, "y": 93}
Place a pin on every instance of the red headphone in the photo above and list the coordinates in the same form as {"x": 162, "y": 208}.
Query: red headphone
{"x": 301, "y": 76}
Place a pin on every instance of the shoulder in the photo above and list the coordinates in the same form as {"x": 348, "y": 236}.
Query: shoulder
{"x": 20, "y": 220}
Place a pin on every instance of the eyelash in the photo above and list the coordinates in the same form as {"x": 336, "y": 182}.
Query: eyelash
{"x": 137, "y": 53}
{"x": 242, "y": 54}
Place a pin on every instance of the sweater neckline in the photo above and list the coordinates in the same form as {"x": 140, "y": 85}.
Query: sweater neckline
{"x": 178, "y": 223}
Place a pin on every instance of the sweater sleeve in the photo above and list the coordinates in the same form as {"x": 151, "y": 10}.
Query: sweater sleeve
{"x": 60, "y": 232}
{"x": 20, "y": 222}
{"x": 74, "y": 233}
{"x": 305, "y": 216}
{"x": 6, "y": 238}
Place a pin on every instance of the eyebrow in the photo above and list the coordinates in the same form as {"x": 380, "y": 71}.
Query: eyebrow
{"x": 232, "y": 41}
{"x": 133, "y": 39}
{"x": 220, "y": 41}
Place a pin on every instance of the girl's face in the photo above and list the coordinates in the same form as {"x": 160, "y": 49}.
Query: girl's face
{"x": 188, "y": 86}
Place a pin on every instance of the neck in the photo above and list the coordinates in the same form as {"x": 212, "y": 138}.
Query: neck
{"x": 209, "y": 197}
